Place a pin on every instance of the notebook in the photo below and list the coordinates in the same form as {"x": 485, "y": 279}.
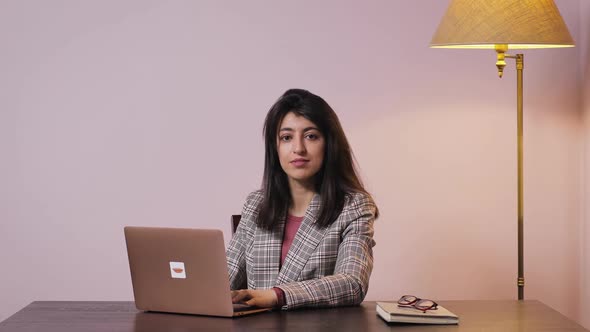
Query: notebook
{"x": 181, "y": 270}
{"x": 392, "y": 313}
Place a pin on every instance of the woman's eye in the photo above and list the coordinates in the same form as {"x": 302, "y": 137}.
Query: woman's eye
{"x": 312, "y": 137}
{"x": 285, "y": 138}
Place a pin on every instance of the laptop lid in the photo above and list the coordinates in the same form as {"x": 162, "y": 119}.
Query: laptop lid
{"x": 179, "y": 270}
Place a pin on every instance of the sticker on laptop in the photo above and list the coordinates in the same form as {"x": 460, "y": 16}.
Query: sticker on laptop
{"x": 177, "y": 270}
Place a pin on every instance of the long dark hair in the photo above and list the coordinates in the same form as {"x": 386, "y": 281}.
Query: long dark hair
{"x": 336, "y": 178}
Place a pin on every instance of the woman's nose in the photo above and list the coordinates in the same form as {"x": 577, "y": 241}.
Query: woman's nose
{"x": 299, "y": 146}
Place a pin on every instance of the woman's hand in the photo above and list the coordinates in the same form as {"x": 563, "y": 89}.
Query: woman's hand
{"x": 264, "y": 298}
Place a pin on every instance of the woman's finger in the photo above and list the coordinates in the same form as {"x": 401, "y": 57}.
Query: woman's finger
{"x": 239, "y": 296}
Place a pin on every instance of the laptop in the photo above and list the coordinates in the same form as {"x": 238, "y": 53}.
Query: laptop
{"x": 181, "y": 270}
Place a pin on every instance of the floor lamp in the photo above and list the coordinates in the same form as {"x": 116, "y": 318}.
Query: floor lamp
{"x": 504, "y": 25}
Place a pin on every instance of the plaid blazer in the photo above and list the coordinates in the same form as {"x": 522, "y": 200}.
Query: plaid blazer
{"x": 324, "y": 267}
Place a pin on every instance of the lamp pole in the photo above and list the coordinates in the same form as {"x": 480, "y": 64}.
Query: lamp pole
{"x": 519, "y": 67}
{"x": 500, "y": 64}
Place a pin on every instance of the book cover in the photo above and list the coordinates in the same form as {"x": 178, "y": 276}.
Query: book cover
{"x": 391, "y": 312}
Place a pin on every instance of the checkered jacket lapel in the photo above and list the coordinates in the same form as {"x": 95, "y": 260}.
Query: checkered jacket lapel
{"x": 266, "y": 256}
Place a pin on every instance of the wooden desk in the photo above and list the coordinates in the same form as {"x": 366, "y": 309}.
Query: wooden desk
{"x": 122, "y": 316}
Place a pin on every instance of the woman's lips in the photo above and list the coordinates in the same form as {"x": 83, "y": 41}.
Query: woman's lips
{"x": 299, "y": 162}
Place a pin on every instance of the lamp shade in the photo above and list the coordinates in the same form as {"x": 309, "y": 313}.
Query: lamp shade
{"x": 519, "y": 24}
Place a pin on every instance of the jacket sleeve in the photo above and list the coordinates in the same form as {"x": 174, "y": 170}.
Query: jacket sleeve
{"x": 350, "y": 281}
{"x": 240, "y": 242}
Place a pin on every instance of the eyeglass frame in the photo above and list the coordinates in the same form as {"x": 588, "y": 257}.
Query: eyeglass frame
{"x": 415, "y": 303}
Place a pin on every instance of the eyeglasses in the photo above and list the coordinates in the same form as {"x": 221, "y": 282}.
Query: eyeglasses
{"x": 416, "y": 302}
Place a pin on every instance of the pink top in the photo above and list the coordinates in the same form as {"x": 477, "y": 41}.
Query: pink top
{"x": 291, "y": 226}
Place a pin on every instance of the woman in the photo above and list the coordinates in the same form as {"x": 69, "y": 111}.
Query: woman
{"x": 305, "y": 239}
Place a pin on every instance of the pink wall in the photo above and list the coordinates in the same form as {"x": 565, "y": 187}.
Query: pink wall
{"x": 150, "y": 113}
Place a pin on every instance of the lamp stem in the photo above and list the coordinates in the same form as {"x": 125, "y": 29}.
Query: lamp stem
{"x": 500, "y": 49}
{"x": 519, "y": 69}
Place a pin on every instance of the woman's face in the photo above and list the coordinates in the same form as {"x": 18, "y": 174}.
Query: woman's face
{"x": 300, "y": 147}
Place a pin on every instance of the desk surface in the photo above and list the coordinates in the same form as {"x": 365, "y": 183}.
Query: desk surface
{"x": 122, "y": 316}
